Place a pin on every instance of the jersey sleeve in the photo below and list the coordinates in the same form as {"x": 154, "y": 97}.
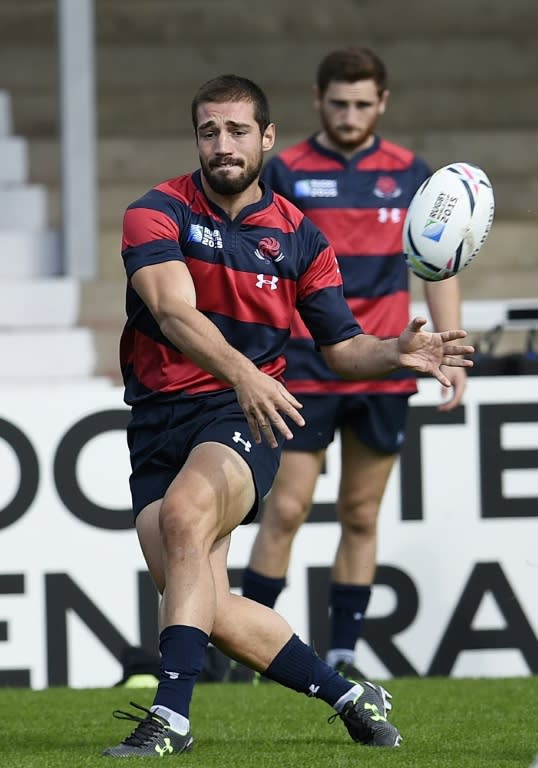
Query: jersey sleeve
{"x": 277, "y": 177}
{"x": 320, "y": 297}
{"x": 422, "y": 171}
{"x": 151, "y": 232}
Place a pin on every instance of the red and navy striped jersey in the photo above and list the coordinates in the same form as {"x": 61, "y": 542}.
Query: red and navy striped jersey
{"x": 250, "y": 273}
{"x": 360, "y": 206}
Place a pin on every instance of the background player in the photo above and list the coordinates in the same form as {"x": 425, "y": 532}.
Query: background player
{"x": 356, "y": 187}
{"x": 216, "y": 265}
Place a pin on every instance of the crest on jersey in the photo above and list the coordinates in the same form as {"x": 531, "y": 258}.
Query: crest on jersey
{"x": 268, "y": 250}
{"x": 387, "y": 188}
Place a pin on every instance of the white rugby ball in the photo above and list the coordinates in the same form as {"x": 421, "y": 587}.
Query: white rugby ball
{"x": 448, "y": 221}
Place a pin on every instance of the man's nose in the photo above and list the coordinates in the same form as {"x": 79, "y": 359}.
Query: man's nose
{"x": 223, "y": 144}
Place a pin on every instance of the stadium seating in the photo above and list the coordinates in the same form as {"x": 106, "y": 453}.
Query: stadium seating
{"x": 459, "y": 91}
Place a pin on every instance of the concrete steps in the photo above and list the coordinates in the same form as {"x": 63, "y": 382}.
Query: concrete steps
{"x": 506, "y": 152}
{"x": 127, "y": 167}
{"x": 448, "y": 84}
{"x": 40, "y": 337}
{"x": 463, "y": 80}
{"x": 208, "y": 21}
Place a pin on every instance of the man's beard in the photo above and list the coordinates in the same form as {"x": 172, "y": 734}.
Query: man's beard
{"x": 338, "y": 138}
{"x": 224, "y": 185}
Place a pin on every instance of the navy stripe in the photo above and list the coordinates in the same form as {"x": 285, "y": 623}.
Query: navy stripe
{"x": 373, "y": 276}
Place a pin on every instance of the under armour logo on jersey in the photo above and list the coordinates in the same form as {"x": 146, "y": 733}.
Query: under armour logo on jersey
{"x": 271, "y": 281}
{"x": 393, "y": 215}
{"x": 238, "y": 439}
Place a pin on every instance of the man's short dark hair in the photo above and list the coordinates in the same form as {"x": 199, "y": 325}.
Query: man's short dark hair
{"x": 348, "y": 65}
{"x": 232, "y": 88}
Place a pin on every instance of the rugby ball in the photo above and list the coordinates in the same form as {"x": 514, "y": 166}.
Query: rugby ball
{"x": 448, "y": 221}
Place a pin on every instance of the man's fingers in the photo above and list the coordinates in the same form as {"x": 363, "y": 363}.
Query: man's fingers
{"x": 458, "y": 362}
{"x": 417, "y": 323}
{"x": 458, "y": 349}
{"x": 452, "y": 335}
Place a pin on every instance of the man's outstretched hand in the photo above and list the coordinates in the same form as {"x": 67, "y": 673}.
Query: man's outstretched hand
{"x": 425, "y": 352}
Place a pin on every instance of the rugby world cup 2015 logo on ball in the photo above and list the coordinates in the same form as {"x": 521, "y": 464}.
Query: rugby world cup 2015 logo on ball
{"x": 448, "y": 221}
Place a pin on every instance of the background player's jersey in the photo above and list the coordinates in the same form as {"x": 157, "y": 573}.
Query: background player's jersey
{"x": 249, "y": 274}
{"x": 360, "y": 206}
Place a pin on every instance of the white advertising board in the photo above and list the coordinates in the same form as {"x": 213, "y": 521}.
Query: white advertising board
{"x": 457, "y": 583}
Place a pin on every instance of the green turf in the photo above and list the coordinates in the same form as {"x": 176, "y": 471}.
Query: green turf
{"x": 445, "y": 722}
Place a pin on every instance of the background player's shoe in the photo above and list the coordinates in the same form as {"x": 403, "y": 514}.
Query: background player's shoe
{"x": 152, "y": 737}
{"x": 240, "y": 673}
{"x": 349, "y": 671}
{"x": 366, "y": 717}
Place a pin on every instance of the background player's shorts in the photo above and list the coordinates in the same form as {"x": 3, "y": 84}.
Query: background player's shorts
{"x": 161, "y": 436}
{"x": 378, "y": 421}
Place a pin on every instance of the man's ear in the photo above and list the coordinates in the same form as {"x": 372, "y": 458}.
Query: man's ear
{"x": 269, "y": 137}
{"x": 383, "y": 101}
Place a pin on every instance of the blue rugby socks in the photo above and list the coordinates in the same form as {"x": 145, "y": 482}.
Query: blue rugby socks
{"x": 262, "y": 589}
{"x": 298, "y": 667}
{"x": 348, "y": 605}
{"x": 183, "y": 651}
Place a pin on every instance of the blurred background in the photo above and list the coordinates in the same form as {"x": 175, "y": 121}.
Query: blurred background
{"x": 95, "y": 108}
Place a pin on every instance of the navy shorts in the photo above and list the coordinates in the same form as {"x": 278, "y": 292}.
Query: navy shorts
{"x": 161, "y": 436}
{"x": 378, "y": 421}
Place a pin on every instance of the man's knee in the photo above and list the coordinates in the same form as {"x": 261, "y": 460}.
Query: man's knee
{"x": 286, "y": 513}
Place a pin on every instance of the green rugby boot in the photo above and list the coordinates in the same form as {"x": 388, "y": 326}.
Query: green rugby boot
{"x": 152, "y": 737}
{"x": 366, "y": 717}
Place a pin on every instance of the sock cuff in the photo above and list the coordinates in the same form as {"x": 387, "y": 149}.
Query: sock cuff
{"x": 261, "y": 579}
{"x": 184, "y": 631}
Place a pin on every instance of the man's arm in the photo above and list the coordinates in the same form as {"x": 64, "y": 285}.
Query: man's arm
{"x": 168, "y": 292}
{"x": 444, "y": 304}
{"x": 366, "y": 357}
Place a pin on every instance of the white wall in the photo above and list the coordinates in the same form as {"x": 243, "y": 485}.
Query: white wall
{"x": 67, "y": 563}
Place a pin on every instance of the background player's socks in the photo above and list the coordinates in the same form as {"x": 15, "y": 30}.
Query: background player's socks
{"x": 348, "y": 605}
{"x": 263, "y": 589}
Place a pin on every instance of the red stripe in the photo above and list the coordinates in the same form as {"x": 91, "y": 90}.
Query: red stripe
{"x": 323, "y": 272}
{"x": 161, "y": 369}
{"x": 184, "y": 189}
{"x": 181, "y": 188}
{"x": 389, "y": 157}
{"x": 302, "y": 157}
{"x": 298, "y": 328}
{"x": 384, "y": 315}
{"x": 142, "y": 225}
{"x": 349, "y": 229}
{"x": 236, "y": 294}
{"x": 377, "y": 386}
{"x": 283, "y": 216}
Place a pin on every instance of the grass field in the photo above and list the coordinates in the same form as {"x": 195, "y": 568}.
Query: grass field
{"x": 445, "y": 722}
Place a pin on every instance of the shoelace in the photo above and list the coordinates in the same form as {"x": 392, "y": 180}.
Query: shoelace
{"x": 356, "y": 724}
{"x": 149, "y": 726}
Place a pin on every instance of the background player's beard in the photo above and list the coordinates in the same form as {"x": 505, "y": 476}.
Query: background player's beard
{"x": 231, "y": 186}
{"x": 340, "y": 139}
